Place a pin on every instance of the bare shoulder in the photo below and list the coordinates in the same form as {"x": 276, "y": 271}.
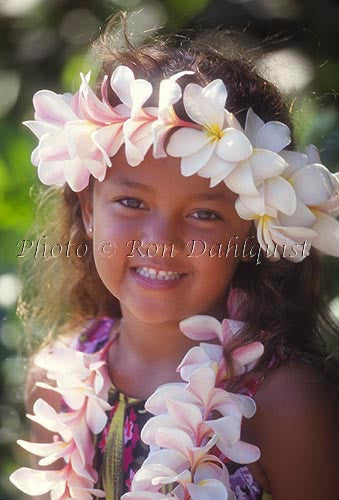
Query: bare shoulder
{"x": 296, "y": 429}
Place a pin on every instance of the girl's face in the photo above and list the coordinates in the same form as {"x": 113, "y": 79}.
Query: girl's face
{"x": 149, "y": 216}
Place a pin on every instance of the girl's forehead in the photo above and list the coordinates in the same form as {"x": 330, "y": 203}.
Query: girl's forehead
{"x": 161, "y": 175}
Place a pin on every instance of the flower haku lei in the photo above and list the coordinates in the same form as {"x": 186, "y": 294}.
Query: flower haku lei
{"x": 83, "y": 382}
{"x": 292, "y": 198}
{"x": 184, "y": 428}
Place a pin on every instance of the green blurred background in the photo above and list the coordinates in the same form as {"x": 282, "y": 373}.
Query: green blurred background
{"x": 45, "y": 43}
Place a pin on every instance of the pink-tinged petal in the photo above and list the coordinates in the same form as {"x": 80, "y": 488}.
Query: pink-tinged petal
{"x": 274, "y": 136}
{"x": 241, "y": 452}
{"x": 40, "y": 128}
{"x": 201, "y": 327}
{"x": 31, "y": 481}
{"x": 96, "y": 168}
{"x": 93, "y": 108}
{"x": 171, "y": 477}
{"x": 216, "y": 166}
{"x": 76, "y": 174}
{"x": 95, "y": 414}
{"x": 193, "y": 359}
{"x": 245, "y": 404}
{"x": 302, "y": 216}
{"x": 191, "y": 164}
{"x": 266, "y": 164}
{"x": 252, "y": 125}
{"x": 53, "y": 147}
{"x": 144, "y": 495}
{"x": 313, "y": 184}
{"x": 141, "y": 90}
{"x": 46, "y": 416}
{"x": 312, "y": 153}
{"x": 201, "y": 384}
{"x": 248, "y": 353}
{"x": 186, "y": 141}
{"x": 229, "y": 328}
{"x": 51, "y": 172}
{"x": 214, "y": 352}
{"x": 156, "y": 403}
{"x": 52, "y": 451}
{"x": 153, "y": 424}
{"x": 209, "y": 470}
{"x": 82, "y": 469}
{"x": 142, "y": 479}
{"x": 241, "y": 180}
{"x": 121, "y": 80}
{"x": 109, "y": 139}
{"x": 233, "y": 145}
{"x": 327, "y": 228}
{"x": 206, "y": 106}
{"x": 211, "y": 489}
{"x": 52, "y": 108}
{"x": 188, "y": 415}
{"x": 279, "y": 194}
{"x": 227, "y": 429}
{"x": 168, "y": 457}
{"x": 173, "y": 438}
{"x": 160, "y": 132}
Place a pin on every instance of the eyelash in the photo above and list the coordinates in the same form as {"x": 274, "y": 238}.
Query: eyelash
{"x": 216, "y": 217}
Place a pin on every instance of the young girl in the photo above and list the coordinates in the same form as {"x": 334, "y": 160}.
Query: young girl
{"x": 182, "y": 213}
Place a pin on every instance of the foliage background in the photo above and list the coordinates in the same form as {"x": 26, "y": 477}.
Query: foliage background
{"x": 44, "y": 44}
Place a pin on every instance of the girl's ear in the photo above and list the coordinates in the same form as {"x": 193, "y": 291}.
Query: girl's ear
{"x": 86, "y": 203}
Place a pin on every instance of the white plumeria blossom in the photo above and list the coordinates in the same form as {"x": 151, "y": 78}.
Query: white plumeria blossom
{"x": 292, "y": 198}
{"x": 217, "y": 146}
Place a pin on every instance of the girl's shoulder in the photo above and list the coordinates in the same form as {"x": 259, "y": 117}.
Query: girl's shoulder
{"x": 296, "y": 429}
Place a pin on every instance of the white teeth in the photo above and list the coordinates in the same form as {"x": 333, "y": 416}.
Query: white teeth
{"x": 149, "y": 272}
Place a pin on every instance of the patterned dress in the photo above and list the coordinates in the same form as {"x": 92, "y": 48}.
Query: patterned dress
{"x": 120, "y": 451}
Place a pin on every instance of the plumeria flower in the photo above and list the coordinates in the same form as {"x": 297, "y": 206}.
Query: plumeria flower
{"x": 267, "y": 139}
{"x": 71, "y": 426}
{"x": 169, "y": 94}
{"x": 317, "y": 191}
{"x": 191, "y": 417}
{"x": 62, "y": 484}
{"x": 202, "y": 327}
{"x": 76, "y": 395}
{"x": 218, "y": 144}
{"x": 77, "y": 135}
{"x": 137, "y": 129}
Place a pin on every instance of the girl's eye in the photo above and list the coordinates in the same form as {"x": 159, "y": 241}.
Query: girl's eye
{"x": 135, "y": 202}
{"x": 207, "y": 215}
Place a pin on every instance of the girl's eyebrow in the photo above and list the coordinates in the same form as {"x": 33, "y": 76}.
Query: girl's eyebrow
{"x": 122, "y": 181}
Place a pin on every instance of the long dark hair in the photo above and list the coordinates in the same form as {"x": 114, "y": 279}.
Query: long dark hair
{"x": 286, "y": 305}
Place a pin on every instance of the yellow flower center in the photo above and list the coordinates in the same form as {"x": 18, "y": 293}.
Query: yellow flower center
{"x": 214, "y": 132}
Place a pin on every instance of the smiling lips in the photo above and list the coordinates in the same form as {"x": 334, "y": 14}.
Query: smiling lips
{"x": 150, "y": 272}
{"x": 149, "y": 277}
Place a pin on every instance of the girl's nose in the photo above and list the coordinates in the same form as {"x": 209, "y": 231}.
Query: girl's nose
{"x": 161, "y": 231}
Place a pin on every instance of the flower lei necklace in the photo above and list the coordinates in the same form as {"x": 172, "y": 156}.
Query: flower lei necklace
{"x": 291, "y": 196}
{"x": 180, "y": 434}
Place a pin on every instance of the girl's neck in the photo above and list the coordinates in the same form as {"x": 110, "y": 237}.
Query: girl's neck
{"x": 148, "y": 353}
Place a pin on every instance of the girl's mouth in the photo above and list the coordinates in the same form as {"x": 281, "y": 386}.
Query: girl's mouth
{"x": 151, "y": 278}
